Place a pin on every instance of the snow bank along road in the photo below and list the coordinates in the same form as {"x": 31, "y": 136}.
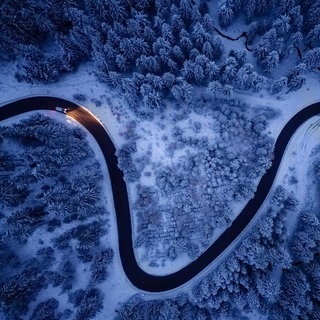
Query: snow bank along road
{"x": 137, "y": 276}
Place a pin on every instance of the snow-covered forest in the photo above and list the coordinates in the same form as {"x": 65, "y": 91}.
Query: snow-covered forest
{"x": 196, "y": 89}
{"x": 52, "y": 220}
{"x": 155, "y": 49}
{"x": 185, "y": 202}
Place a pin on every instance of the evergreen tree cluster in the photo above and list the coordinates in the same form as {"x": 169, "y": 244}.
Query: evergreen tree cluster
{"x": 276, "y": 28}
{"x": 154, "y": 49}
{"x": 51, "y": 180}
{"x": 157, "y": 50}
{"x": 42, "y": 168}
{"x": 17, "y": 290}
{"x": 244, "y": 282}
{"x": 149, "y": 48}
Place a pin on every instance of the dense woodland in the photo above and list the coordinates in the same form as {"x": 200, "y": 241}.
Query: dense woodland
{"x": 192, "y": 197}
{"x": 156, "y": 49}
{"x": 52, "y": 219}
{"x": 265, "y": 275}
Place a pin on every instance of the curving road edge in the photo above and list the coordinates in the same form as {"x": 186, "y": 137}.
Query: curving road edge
{"x": 135, "y": 274}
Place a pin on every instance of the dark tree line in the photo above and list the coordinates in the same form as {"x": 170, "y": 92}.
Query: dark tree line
{"x": 275, "y": 29}
{"x": 156, "y": 49}
{"x": 52, "y": 180}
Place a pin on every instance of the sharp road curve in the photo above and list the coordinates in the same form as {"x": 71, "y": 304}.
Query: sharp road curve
{"x": 135, "y": 274}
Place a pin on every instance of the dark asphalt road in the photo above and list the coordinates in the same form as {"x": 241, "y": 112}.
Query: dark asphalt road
{"x": 138, "y": 277}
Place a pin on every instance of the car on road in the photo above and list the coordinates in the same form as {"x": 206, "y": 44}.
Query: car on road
{"x": 62, "y": 109}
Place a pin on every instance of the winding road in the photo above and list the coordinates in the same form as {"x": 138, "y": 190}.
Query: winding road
{"x": 135, "y": 274}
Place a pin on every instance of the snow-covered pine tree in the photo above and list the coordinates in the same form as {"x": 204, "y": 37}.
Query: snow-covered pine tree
{"x": 264, "y": 6}
{"x": 296, "y": 19}
{"x": 187, "y": 71}
{"x": 196, "y": 15}
{"x": 296, "y": 82}
{"x": 279, "y": 85}
{"x": 296, "y": 39}
{"x": 186, "y": 44}
{"x": 185, "y": 8}
{"x": 176, "y": 24}
{"x": 215, "y": 88}
{"x": 208, "y": 23}
{"x": 122, "y": 63}
{"x": 46, "y": 309}
{"x": 163, "y": 8}
{"x": 311, "y": 18}
{"x": 250, "y": 8}
{"x": 225, "y": 13}
{"x": 314, "y": 34}
{"x": 182, "y": 91}
{"x": 178, "y": 55}
{"x": 167, "y": 33}
{"x": 168, "y": 80}
{"x": 270, "y": 62}
{"x": 282, "y": 25}
{"x": 212, "y": 71}
{"x": 199, "y": 35}
{"x": 286, "y": 5}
